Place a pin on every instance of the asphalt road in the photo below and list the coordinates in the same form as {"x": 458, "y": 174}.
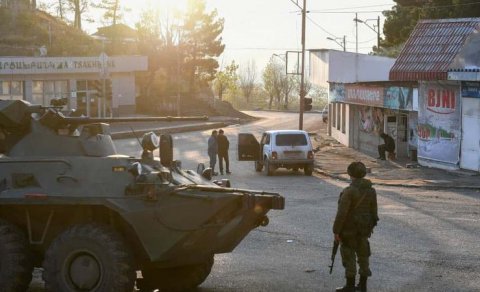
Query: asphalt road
{"x": 425, "y": 240}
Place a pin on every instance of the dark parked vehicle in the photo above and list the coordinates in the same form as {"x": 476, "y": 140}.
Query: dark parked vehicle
{"x": 91, "y": 217}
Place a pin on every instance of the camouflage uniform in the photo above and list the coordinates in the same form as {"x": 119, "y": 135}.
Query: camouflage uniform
{"x": 354, "y": 242}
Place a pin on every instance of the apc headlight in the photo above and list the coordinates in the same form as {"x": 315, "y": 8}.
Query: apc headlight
{"x": 136, "y": 169}
{"x": 150, "y": 141}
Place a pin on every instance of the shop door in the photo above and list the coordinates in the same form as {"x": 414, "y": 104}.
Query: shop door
{"x": 470, "y": 155}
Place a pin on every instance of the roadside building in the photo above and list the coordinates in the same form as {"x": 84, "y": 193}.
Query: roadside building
{"x": 363, "y": 102}
{"x": 443, "y": 57}
{"x": 78, "y": 79}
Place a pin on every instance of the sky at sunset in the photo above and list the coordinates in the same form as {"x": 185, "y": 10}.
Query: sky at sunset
{"x": 256, "y": 29}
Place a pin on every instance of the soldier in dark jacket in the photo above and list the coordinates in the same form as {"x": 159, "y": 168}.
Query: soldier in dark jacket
{"x": 213, "y": 150}
{"x": 389, "y": 145}
{"x": 223, "y": 145}
{"x": 354, "y": 222}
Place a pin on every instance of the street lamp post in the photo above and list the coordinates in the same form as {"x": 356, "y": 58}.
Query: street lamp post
{"x": 377, "y": 30}
{"x": 341, "y": 44}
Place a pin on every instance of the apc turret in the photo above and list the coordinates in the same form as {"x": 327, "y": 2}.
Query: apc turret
{"x": 92, "y": 218}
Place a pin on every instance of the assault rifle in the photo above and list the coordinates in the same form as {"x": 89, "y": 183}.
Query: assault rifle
{"x": 334, "y": 253}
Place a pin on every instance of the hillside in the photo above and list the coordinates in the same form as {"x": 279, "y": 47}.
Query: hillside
{"x": 23, "y": 34}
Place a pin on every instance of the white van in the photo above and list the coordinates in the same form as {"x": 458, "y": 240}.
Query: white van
{"x": 290, "y": 149}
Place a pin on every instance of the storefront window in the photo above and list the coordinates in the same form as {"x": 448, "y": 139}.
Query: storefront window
{"x": 44, "y": 91}
{"x": 11, "y": 90}
{"x": 37, "y": 92}
{"x": 5, "y": 88}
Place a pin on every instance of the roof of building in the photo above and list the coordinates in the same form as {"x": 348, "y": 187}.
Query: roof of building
{"x": 119, "y": 30}
{"x": 432, "y": 48}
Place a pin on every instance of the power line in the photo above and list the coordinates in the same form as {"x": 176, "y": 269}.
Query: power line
{"x": 363, "y": 42}
{"x": 347, "y": 8}
{"x": 348, "y": 12}
{"x": 320, "y": 27}
{"x": 339, "y": 10}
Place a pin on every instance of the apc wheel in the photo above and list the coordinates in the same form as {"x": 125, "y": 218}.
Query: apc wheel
{"x": 88, "y": 258}
{"x": 15, "y": 262}
{"x": 258, "y": 166}
{"x": 175, "y": 279}
{"x": 308, "y": 170}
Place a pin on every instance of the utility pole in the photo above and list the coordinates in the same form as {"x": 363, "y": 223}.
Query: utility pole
{"x": 378, "y": 32}
{"x": 302, "y": 80}
{"x": 344, "y": 43}
{"x": 356, "y": 33}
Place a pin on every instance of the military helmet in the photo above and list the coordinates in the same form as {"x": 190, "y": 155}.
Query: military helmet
{"x": 357, "y": 169}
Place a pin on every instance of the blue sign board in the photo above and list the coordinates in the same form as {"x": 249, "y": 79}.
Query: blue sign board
{"x": 470, "y": 89}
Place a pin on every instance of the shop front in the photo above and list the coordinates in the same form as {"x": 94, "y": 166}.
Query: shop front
{"x": 373, "y": 109}
{"x": 95, "y": 86}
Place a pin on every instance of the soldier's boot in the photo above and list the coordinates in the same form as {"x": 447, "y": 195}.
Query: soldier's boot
{"x": 362, "y": 284}
{"x": 349, "y": 287}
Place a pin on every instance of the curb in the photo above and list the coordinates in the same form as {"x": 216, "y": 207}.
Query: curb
{"x": 168, "y": 130}
{"x": 375, "y": 182}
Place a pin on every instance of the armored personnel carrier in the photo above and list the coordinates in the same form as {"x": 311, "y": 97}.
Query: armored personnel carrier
{"x": 92, "y": 218}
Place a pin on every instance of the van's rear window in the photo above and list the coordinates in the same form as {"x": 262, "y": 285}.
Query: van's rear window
{"x": 291, "y": 140}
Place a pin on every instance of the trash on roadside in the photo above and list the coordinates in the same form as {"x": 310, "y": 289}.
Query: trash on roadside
{"x": 289, "y": 240}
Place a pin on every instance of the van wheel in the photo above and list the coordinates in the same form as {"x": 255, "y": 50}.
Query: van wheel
{"x": 258, "y": 166}
{"x": 15, "y": 261}
{"x": 268, "y": 168}
{"x": 308, "y": 170}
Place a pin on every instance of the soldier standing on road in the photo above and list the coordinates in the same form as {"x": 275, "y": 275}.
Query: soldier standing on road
{"x": 223, "y": 145}
{"x": 356, "y": 217}
{"x": 213, "y": 150}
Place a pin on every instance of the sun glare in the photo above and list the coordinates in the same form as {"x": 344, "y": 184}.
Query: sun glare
{"x": 140, "y": 5}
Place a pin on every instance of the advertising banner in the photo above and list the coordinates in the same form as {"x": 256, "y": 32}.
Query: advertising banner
{"x": 336, "y": 92}
{"x": 356, "y": 94}
{"x": 371, "y": 119}
{"x": 471, "y": 89}
{"x": 397, "y": 97}
{"x": 439, "y": 122}
{"x": 367, "y": 95}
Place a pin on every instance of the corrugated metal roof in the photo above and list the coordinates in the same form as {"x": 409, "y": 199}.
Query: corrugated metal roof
{"x": 431, "y": 48}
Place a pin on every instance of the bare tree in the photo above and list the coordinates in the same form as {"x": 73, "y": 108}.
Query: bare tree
{"x": 272, "y": 79}
{"x": 247, "y": 79}
{"x": 288, "y": 84}
{"x": 78, "y": 7}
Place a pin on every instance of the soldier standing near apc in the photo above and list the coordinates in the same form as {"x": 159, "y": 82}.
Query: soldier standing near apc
{"x": 213, "y": 150}
{"x": 223, "y": 145}
{"x": 356, "y": 217}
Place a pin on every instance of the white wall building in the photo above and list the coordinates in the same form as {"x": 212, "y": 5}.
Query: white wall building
{"x": 41, "y": 79}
